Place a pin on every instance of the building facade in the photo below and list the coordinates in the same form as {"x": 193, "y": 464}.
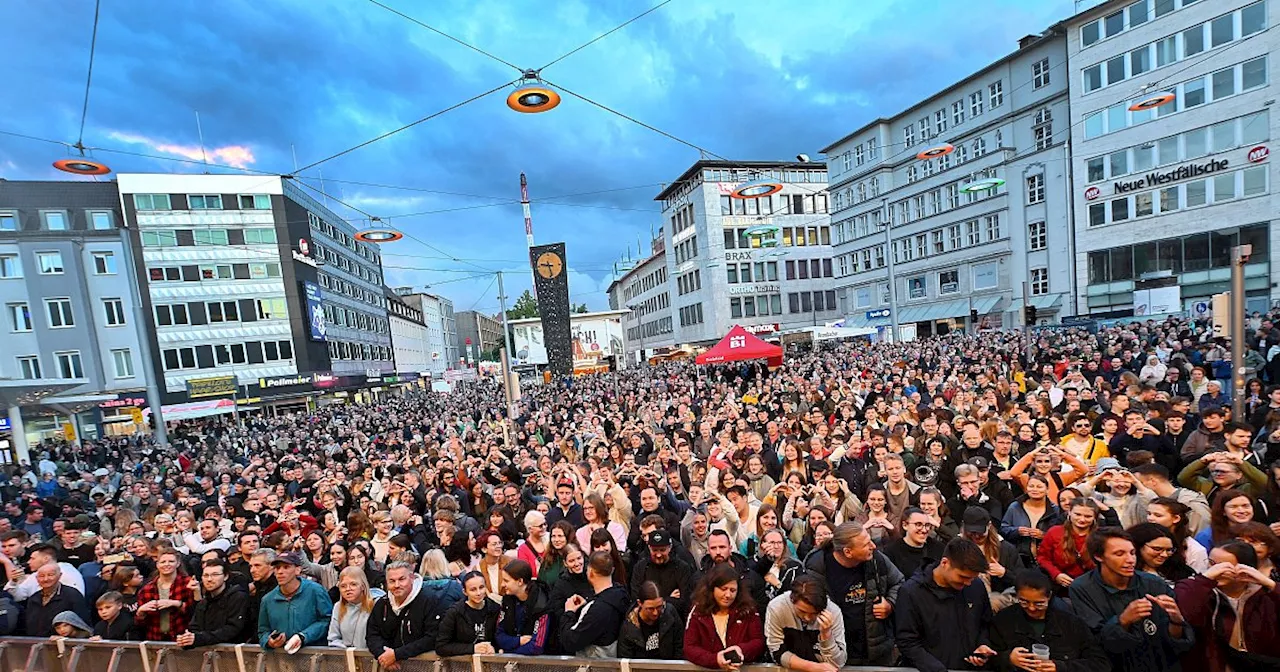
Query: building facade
{"x": 409, "y": 335}
{"x": 1161, "y": 195}
{"x": 249, "y": 279}
{"x": 477, "y": 334}
{"x": 440, "y": 353}
{"x": 718, "y": 276}
{"x": 952, "y": 258}
{"x": 644, "y": 293}
{"x": 70, "y": 322}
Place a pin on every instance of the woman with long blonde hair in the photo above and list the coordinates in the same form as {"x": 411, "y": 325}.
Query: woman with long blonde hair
{"x": 351, "y": 614}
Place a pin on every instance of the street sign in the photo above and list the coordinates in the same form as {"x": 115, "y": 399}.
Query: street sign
{"x": 878, "y": 314}
{"x": 136, "y": 414}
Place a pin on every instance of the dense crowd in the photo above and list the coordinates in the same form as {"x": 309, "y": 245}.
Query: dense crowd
{"x": 942, "y": 503}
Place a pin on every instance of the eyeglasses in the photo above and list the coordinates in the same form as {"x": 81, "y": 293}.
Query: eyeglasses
{"x": 1034, "y": 604}
{"x": 1160, "y": 550}
{"x": 925, "y": 525}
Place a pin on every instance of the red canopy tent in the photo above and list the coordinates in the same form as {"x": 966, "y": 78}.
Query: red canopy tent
{"x": 739, "y": 345}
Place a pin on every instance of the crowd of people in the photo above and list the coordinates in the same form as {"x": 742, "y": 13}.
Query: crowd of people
{"x": 942, "y": 503}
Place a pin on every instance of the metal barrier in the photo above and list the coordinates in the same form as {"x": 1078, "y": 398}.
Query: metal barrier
{"x": 28, "y": 654}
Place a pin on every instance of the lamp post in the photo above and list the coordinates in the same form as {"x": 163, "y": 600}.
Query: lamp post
{"x": 1239, "y": 257}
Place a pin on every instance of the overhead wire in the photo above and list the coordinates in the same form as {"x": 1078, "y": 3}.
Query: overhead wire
{"x": 445, "y": 35}
{"x": 607, "y": 33}
{"x": 93, "y": 45}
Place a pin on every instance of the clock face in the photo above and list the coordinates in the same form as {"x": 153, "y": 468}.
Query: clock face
{"x": 549, "y": 265}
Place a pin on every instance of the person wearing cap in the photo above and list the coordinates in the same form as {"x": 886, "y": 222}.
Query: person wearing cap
{"x": 295, "y": 613}
{"x": 1003, "y": 560}
{"x": 1120, "y": 490}
{"x": 674, "y": 577}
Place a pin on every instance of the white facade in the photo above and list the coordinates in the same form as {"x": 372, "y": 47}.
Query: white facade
{"x": 434, "y": 319}
{"x": 646, "y": 297}
{"x": 1170, "y": 191}
{"x": 408, "y": 341}
{"x": 953, "y": 254}
{"x": 718, "y": 277}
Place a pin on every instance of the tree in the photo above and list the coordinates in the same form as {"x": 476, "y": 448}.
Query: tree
{"x": 580, "y": 308}
{"x": 526, "y": 307}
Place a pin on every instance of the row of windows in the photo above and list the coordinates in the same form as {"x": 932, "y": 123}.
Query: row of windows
{"x": 219, "y": 237}
{"x": 682, "y": 219}
{"x": 921, "y": 245}
{"x": 648, "y": 281}
{"x": 211, "y": 356}
{"x": 1126, "y": 18}
{"x": 686, "y": 249}
{"x": 984, "y": 276}
{"x": 650, "y": 329}
{"x": 691, "y": 315}
{"x": 760, "y": 305}
{"x": 925, "y": 129}
{"x": 199, "y": 313}
{"x": 201, "y": 202}
{"x": 69, "y": 364}
{"x": 862, "y": 153}
{"x": 1193, "y": 144}
{"x": 343, "y": 238}
{"x": 736, "y": 175}
{"x": 652, "y": 304}
{"x": 354, "y": 319}
{"x": 811, "y": 302}
{"x": 860, "y": 193}
{"x": 792, "y": 236}
{"x": 352, "y": 290}
{"x": 339, "y": 260}
{"x": 788, "y": 204}
{"x": 918, "y": 207}
{"x": 342, "y": 350}
{"x": 689, "y": 282}
{"x": 50, "y": 263}
{"x": 763, "y": 271}
{"x": 1197, "y": 252}
{"x": 1194, "y": 93}
{"x": 1220, "y": 188}
{"x": 805, "y": 269}
{"x": 213, "y": 272}
{"x": 918, "y": 170}
{"x": 58, "y": 220}
{"x": 1196, "y": 40}
{"x": 59, "y": 314}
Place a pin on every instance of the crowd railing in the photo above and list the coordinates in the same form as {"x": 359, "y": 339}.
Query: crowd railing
{"x": 29, "y": 654}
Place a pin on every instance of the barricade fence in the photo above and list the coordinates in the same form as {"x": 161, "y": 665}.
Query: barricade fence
{"x": 29, "y": 654}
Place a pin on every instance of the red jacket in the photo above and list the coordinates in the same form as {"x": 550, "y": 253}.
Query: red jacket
{"x": 702, "y": 642}
{"x": 1052, "y": 556}
{"x": 1210, "y": 614}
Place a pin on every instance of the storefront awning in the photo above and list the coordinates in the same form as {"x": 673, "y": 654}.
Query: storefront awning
{"x": 985, "y": 304}
{"x": 934, "y": 311}
{"x": 1046, "y": 302}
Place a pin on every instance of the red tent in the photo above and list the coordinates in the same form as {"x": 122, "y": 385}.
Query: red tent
{"x": 737, "y": 346}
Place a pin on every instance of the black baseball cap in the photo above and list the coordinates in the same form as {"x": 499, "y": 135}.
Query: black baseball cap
{"x": 981, "y": 462}
{"x": 659, "y": 538}
{"x": 976, "y": 519}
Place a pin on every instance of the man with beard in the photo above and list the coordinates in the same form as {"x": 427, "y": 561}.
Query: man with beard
{"x": 673, "y": 576}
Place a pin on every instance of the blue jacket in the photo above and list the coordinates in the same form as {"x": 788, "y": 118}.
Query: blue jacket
{"x": 306, "y": 613}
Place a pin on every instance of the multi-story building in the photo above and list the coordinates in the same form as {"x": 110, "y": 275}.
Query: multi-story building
{"x": 432, "y": 308}
{"x": 408, "y": 335}
{"x": 452, "y": 354}
{"x": 249, "y": 279}
{"x": 1162, "y": 194}
{"x": 718, "y": 276}
{"x": 477, "y": 334}
{"x": 947, "y": 254}
{"x": 643, "y": 291}
{"x": 70, "y": 322}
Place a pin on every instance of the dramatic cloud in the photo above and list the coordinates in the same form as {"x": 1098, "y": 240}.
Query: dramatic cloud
{"x": 235, "y": 155}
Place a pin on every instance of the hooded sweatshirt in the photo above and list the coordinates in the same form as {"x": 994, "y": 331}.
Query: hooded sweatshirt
{"x": 592, "y": 630}
{"x": 400, "y": 625}
{"x": 463, "y": 627}
{"x": 71, "y": 618}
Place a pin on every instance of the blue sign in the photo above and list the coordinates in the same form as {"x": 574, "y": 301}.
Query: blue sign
{"x": 315, "y": 310}
{"x": 880, "y": 314}
{"x": 4, "y": 424}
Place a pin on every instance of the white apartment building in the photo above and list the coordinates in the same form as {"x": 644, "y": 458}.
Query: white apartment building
{"x": 949, "y": 255}
{"x": 1162, "y": 195}
{"x": 439, "y": 353}
{"x": 718, "y": 276}
{"x": 643, "y": 291}
{"x": 409, "y": 335}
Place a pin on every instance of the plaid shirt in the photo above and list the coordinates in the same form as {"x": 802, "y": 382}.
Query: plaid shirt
{"x": 149, "y": 622}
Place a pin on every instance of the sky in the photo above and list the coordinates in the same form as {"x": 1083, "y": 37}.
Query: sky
{"x": 271, "y": 81}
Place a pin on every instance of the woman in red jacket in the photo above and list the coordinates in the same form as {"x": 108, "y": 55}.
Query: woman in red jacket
{"x": 1235, "y": 610}
{"x": 1062, "y": 552}
{"x": 725, "y": 629}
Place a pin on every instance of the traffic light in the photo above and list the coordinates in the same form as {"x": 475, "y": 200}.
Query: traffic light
{"x": 1029, "y": 314}
{"x": 973, "y": 316}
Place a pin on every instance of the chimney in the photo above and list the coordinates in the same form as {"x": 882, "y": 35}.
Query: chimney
{"x": 1026, "y": 41}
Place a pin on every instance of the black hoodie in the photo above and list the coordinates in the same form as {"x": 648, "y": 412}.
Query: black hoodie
{"x": 923, "y": 604}
{"x": 464, "y": 627}
{"x": 532, "y": 618}
{"x": 595, "y": 624}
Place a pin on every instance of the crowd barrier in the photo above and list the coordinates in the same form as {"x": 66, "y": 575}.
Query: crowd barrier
{"x": 27, "y": 654}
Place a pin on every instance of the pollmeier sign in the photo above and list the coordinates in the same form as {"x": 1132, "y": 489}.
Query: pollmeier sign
{"x": 1176, "y": 175}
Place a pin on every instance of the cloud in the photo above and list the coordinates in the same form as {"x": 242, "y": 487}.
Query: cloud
{"x": 231, "y": 155}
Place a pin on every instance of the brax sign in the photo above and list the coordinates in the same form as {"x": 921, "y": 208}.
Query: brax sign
{"x": 1181, "y": 173}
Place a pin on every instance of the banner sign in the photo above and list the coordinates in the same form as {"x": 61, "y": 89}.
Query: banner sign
{"x": 315, "y": 310}
{"x": 198, "y": 388}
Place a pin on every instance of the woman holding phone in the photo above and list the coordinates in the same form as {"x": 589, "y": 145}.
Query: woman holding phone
{"x": 725, "y": 630}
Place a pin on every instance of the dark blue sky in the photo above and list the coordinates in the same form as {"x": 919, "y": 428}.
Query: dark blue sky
{"x": 754, "y": 79}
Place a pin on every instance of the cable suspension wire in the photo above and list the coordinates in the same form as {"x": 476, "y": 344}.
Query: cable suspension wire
{"x": 603, "y": 35}
{"x": 93, "y": 44}
{"x": 448, "y": 36}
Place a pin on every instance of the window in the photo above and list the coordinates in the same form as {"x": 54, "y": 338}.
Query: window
{"x": 953, "y": 236}
{"x": 30, "y": 367}
{"x": 170, "y": 315}
{"x": 1138, "y": 13}
{"x": 54, "y": 221}
{"x": 1035, "y": 189}
{"x": 211, "y": 237}
{"x": 115, "y": 312}
{"x": 993, "y": 227}
{"x": 104, "y": 263}
{"x": 20, "y": 316}
{"x": 59, "y": 313}
{"x": 69, "y": 364}
{"x": 151, "y": 202}
{"x": 1044, "y": 136}
{"x": 909, "y": 135}
{"x": 1037, "y": 236}
{"x": 218, "y": 272}
{"x": 948, "y": 282}
{"x": 1040, "y": 73}
{"x": 996, "y": 92}
{"x": 255, "y": 202}
{"x": 862, "y": 297}
{"x": 1255, "y": 181}
{"x": 259, "y": 236}
{"x": 986, "y": 276}
{"x": 1224, "y": 187}
{"x": 8, "y": 221}
{"x": 274, "y": 351}
{"x": 177, "y": 359}
{"x": 1090, "y": 33}
{"x": 940, "y": 122}
{"x": 916, "y": 287}
{"x": 50, "y": 263}
{"x": 205, "y": 202}
{"x": 975, "y": 104}
{"x": 100, "y": 221}
{"x": 1255, "y": 74}
{"x": 1253, "y": 19}
{"x": 10, "y": 266}
{"x": 123, "y": 362}
{"x": 1039, "y": 281}
{"x": 979, "y": 148}
{"x": 160, "y": 238}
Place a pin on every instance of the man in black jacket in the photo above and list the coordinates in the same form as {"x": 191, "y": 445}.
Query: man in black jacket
{"x": 674, "y": 577}
{"x": 590, "y": 627}
{"x": 52, "y": 599}
{"x": 262, "y": 580}
{"x": 1016, "y": 630}
{"x": 864, "y": 584}
{"x": 219, "y": 616}
{"x": 397, "y": 628}
{"x": 720, "y": 551}
{"x": 949, "y": 593}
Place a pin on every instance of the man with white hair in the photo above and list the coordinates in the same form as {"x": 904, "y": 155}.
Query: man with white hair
{"x": 51, "y": 599}
{"x": 24, "y": 586}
